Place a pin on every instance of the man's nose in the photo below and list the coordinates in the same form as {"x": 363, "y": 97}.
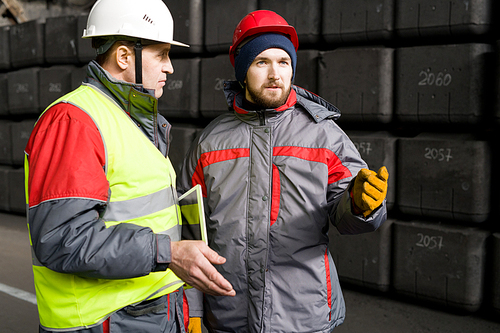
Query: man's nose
{"x": 274, "y": 72}
{"x": 168, "y": 67}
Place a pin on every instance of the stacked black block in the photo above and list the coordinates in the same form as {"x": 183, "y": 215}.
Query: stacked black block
{"x": 434, "y": 18}
{"x": 181, "y": 93}
{"x": 188, "y": 25}
{"x": 444, "y": 176}
{"x": 214, "y": 71}
{"x": 359, "y": 82}
{"x": 219, "y": 26}
{"x": 23, "y": 91}
{"x": 440, "y": 263}
{"x": 364, "y": 260}
{"x": 26, "y": 41}
{"x": 442, "y": 83}
{"x": 4, "y": 48}
{"x": 346, "y": 21}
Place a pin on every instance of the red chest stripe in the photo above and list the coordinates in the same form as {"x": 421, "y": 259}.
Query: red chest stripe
{"x": 336, "y": 171}
{"x": 214, "y": 157}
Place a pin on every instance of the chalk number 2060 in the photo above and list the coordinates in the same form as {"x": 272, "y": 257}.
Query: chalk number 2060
{"x": 431, "y": 79}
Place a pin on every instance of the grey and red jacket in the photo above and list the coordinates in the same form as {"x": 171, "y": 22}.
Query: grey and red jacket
{"x": 272, "y": 180}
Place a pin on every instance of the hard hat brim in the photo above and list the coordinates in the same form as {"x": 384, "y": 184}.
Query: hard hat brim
{"x": 127, "y": 37}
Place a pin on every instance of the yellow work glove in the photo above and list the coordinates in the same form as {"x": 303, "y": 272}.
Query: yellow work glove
{"x": 194, "y": 325}
{"x": 369, "y": 190}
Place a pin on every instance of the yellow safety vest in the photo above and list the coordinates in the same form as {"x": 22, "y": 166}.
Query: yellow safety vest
{"x": 144, "y": 196}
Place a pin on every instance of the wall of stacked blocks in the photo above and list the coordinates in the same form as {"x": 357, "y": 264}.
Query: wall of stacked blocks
{"x": 417, "y": 82}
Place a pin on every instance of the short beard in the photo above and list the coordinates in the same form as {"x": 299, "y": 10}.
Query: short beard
{"x": 267, "y": 102}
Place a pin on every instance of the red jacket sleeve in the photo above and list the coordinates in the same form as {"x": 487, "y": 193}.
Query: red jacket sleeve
{"x": 66, "y": 157}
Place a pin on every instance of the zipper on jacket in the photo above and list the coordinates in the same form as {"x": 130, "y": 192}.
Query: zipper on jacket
{"x": 262, "y": 117}
{"x": 155, "y": 127}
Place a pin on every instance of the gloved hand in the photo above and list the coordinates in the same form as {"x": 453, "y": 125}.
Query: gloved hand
{"x": 369, "y": 190}
{"x": 194, "y": 325}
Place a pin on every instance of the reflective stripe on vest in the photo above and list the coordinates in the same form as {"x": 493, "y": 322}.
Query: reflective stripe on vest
{"x": 142, "y": 195}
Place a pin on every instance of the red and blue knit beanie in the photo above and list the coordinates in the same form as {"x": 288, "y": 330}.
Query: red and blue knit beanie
{"x": 251, "y": 49}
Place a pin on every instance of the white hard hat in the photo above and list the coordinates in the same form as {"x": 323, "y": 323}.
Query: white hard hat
{"x": 144, "y": 19}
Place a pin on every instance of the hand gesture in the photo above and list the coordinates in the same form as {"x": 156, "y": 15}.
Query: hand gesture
{"x": 192, "y": 262}
{"x": 369, "y": 190}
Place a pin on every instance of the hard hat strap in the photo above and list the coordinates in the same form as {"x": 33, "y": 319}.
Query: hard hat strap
{"x": 138, "y": 62}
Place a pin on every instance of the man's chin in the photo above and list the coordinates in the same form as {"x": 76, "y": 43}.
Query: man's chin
{"x": 158, "y": 93}
{"x": 274, "y": 101}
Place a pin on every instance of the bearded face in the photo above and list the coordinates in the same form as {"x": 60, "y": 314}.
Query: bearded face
{"x": 269, "y": 79}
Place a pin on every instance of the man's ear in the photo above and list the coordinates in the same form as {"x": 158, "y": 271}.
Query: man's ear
{"x": 123, "y": 57}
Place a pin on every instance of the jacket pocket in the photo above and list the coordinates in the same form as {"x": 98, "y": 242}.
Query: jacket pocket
{"x": 275, "y": 195}
{"x": 147, "y": 307}
{"x": 328, "y": 284}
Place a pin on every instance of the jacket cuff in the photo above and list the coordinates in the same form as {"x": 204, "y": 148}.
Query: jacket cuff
{"x": 163, "y": 252}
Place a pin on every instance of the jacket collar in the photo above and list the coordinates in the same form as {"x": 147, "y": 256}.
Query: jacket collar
{"x": 315, "y": 105}
{"x": 139, "y": 103}
{"x": 239, "y": 100}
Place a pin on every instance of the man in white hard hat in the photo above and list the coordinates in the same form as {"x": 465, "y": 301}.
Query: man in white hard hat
{"x": 103, "y": 212}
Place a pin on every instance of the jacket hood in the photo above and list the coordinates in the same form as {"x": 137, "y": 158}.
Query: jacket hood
{"x": 315, "y": 105}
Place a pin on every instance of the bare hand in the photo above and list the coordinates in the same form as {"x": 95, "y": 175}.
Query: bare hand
{"x": 192, "y": 262}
